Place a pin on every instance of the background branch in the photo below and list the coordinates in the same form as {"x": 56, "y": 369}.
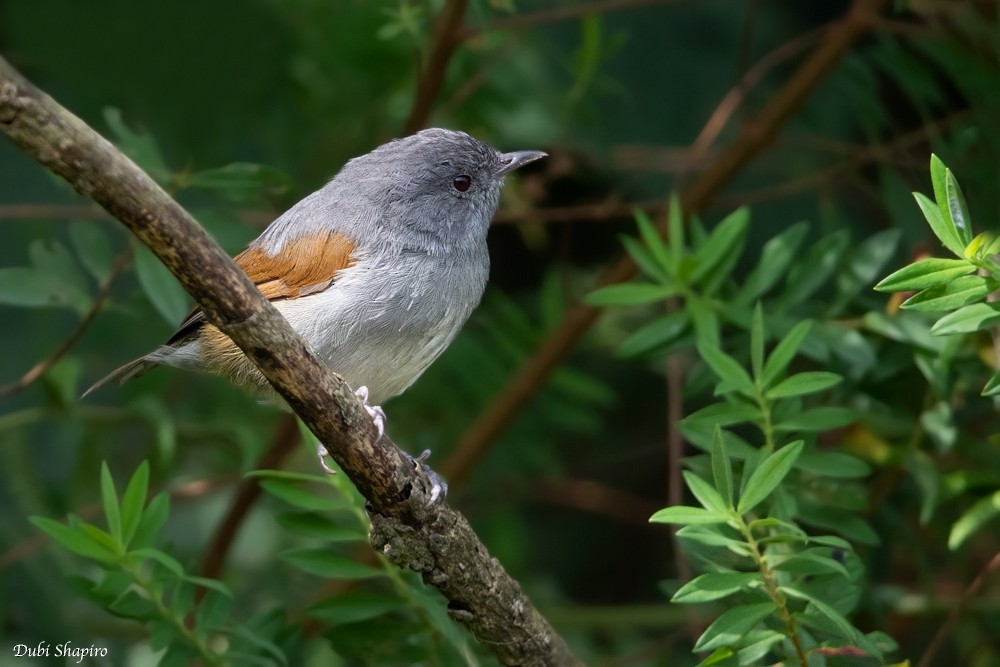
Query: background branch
{"x": 437, "y": 541}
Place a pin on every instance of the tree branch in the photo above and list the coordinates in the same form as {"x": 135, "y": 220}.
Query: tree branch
{"x": 436, "y": 541}
{"x": 432, "y": 77}
{"x": 755, "y": 137}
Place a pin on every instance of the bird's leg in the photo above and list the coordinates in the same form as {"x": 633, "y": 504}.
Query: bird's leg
{"x": 378, "y": 419}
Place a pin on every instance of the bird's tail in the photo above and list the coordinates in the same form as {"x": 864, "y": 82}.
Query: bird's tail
{"x": 132, "y": 369}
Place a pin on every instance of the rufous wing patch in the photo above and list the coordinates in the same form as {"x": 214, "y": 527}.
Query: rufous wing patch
{"x": 303, "y": 266}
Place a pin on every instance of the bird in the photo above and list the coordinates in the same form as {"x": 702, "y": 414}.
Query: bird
{"x": 377, "y": 270}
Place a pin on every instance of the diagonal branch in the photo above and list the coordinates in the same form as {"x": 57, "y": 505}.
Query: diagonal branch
{"x": 754, "y": 138}
{"x": 435, "y": 541}
{"x": 432, "y": 77}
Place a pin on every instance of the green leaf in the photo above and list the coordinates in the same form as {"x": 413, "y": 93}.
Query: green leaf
{"x": 818, "y": 419}
{"x": 213, "y": 612}
{"x": 714, "y": 585}
{"x": 845, "y": 627}
{"x": 133, "y": 501}
{"x": 160, "y": 286}
{"x": 958, "y": 210}
{"x": 31, "y": 288}
{"x": 720, "y": 657}
{"x": 733, "y": 624}
{"x": 815, "y": 268}
{"x": 321, "y": 527}
{"x": 92, "y": 248}
{"x": 651, "y": 238}
{"x": 925, "y": 273}
{"x": 353, "y": 606}
{"x": 329, "y": 564}
{"x": 967, "y": 319}
{"x": 811, "y": 564}
{"x": 777, "y": 254}
{"x": 768, "y": 476}
{"x": 75, "y": 539}
{"x": 833, "y": 464}
{"x": 164, "y": 559}
{"x": 51, "y": 258}
{"x": 109, "y": 498}
{"x": 992, "y": 387}
{"x": 865, "y": 263}
{"x": 293, "y": 494}
{"x": 644, "y": 260}
{"x": 629, "y": 294}
{"x": 982, "y": 511}
{"x": 784, "y": 352}
{"x": 152, "y": 521}
{"x": 682, "y": 514}
{"x": 733, "y": 377}
{"x": 711, "y": 535}
{"x": 942, "y": 228}
{"x": 725, "y": 240}
{"x": 722, "y": 470}
{"x": 705, "y": 494}
{"x": 804, "y": 383}
{"x": 242, "y": 182}
{"x": 139, "y": 146}
{"x": 959, "y": 292}
{"x": 654, "y": 335}
{"x": 722, "y": 414}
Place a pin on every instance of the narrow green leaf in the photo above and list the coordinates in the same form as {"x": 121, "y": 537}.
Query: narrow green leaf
{"x": 732, "y": 376}
{"x": 967, "y": 319}
{"x": 811, "y": 564}
{"x": 30, "y": 288}
{"x": 848, "y": 631}
{"x": 160, "y": 286}
{"x": 651, "y": 237}
{"x": 133, "y": 501}
{"x": 294, "y": 495}
{"x": 722, "y": 470}
{"x": 959, "y": 292}
{"x": 938, "y": 175}
{"x": 321, "y": 527}
{"x": 815, "y": 268}
{"x": 731, "y": 626}
{"x": 714, "y": 586}
{"x": 942, "y": 228}
{"x": 241, "y": 182}
{"x": 775, "y": 258}
{"x": 720, "y": 657}
{"x": 992, "y": 387}
{"x": 109, "y": 498}
{"x": 722, "y": 414}
{"x": 925, "y": 273}
{"x": 784, "y": 352}
{"x": 982, "y": 511}
{"x": 629, "y": 294}
{"x": 151, "y": 523}
{"x": 162, "y": 558}
{"x": 75, "y": 540}
{"x": 833, "y": 464}
{"x": 682, "y": 514}
{"x": 655, "y": 335}
{"x": 329, "y": 564}
{"x": 818, "y": 419}
{"x": 958, "y": 210}
{"x": 92, "y": 248}
{"x": 726, "y": 239}
{"x": 644, "y": 260}
{"x": 801, "y": 384}
{"x": 712, "y": 536}
{"x": 354, "y": 606}
{"x": 706, "y": 322}
{"x": 757, "y": 342}
{"x": 768, "y": 476}
{"x": 706, "y": 495}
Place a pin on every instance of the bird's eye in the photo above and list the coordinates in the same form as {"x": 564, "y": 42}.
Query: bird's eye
{"x": 462, "y": 183}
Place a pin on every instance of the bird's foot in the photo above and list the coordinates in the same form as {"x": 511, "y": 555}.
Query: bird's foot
{"x": 378, "y": 419}
{"x": 439, "y": 487}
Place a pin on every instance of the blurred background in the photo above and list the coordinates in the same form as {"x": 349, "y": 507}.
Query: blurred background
{"x": 240, "y": 108}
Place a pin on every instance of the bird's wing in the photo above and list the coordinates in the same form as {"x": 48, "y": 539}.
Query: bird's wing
{"x": 304, "y": 266}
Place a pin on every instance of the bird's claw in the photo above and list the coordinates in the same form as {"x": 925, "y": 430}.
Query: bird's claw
{"x": 439, "y": 487}
{"x": 322, "y": 453}
{"x": 374, "y": 411}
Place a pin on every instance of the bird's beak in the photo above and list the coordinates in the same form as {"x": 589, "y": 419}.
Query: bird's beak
{"x": 511, "y": 161}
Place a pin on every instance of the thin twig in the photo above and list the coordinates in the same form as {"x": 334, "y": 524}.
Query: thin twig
{"x": 432, "y": 77}
{"x": 103, "y": 291}
{"x": 283, "y": 444}
{"x": 927, "y": 659}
